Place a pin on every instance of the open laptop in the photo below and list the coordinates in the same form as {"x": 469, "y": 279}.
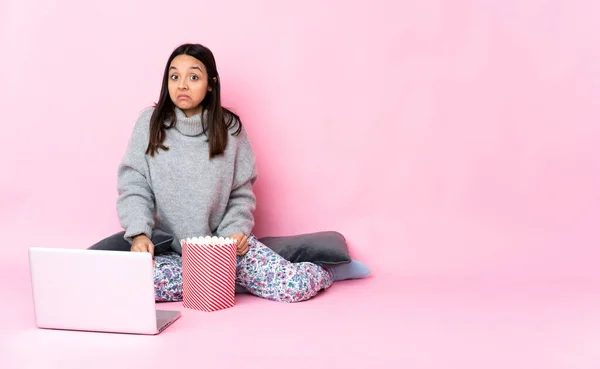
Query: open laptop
{"x": 94, "y": 290}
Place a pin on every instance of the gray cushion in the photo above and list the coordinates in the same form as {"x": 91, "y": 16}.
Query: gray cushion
{"x": 326, "y": 248}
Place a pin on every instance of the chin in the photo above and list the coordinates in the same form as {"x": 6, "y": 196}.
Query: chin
{"x": 187, "y": 106}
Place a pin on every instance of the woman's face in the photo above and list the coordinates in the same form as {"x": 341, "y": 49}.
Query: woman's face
{"x": 188, "y": 83}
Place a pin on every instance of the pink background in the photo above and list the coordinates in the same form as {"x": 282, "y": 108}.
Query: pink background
{"x": 440, "y": 137}
{"x": 455, "y": 143}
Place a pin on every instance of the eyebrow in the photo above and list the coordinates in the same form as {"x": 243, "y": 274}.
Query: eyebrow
{"x": 192, "y": 67}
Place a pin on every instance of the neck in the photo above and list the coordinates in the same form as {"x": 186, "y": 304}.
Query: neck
{"x": 189, "y": 125}
{"x": 191, "y": 112}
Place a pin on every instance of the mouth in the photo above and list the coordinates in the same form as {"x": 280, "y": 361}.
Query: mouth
{"x": 183, "y": 97}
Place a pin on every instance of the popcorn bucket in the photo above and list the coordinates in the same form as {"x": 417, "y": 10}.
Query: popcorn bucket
{"x": 208, "y": 268}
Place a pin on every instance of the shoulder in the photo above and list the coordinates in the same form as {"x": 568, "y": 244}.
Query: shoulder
{"x": 140, "y": 134}
{"x": 233, "y": 122}
{"x": 142, "y": 124}
{"x": 239, "y": 137}
{"x": 235, "y": 128}
{"x": 144, "y": 116}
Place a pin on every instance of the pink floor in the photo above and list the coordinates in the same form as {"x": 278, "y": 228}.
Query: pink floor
{"x": 382, "y": 322}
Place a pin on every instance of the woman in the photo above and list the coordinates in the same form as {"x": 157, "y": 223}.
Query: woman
{"x": 188, "y": 171}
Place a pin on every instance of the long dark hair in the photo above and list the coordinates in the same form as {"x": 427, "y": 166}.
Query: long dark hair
{"x": 220, "y": 119}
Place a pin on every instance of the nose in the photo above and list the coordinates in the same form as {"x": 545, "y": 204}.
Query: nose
{"x": 182, "y": 84}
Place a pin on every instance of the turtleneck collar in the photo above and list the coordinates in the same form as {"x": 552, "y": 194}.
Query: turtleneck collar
{"x": 189, "y": 126}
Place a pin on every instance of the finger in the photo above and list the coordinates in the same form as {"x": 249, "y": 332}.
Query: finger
{"x": 244, "y": 248}
{"x": 151, "y": 248}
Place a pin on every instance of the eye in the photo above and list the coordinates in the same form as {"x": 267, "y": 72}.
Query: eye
{"x": 174, "y": 77}
{"x": 194, "y": 77}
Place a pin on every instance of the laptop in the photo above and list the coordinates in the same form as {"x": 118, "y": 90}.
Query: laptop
{"x": 96, "y": 291}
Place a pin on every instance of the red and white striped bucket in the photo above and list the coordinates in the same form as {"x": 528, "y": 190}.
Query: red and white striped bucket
{"x": 208, "y": 269}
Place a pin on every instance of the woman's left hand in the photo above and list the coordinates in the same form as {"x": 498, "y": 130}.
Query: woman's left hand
{"x": 241, "y": 243}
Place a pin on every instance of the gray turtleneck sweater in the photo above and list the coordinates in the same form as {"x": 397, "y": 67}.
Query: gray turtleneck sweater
{"x": 181, "y": 191}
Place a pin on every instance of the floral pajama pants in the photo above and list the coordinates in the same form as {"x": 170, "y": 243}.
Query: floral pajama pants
{"x": 261, "y": 271}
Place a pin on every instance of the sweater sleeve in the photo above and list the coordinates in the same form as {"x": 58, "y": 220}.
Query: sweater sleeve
{"x": 135, "y": 202}
{"x": 239, "y": 214}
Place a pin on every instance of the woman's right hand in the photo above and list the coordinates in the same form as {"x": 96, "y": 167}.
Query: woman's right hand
{"x": 141, "y": 243}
